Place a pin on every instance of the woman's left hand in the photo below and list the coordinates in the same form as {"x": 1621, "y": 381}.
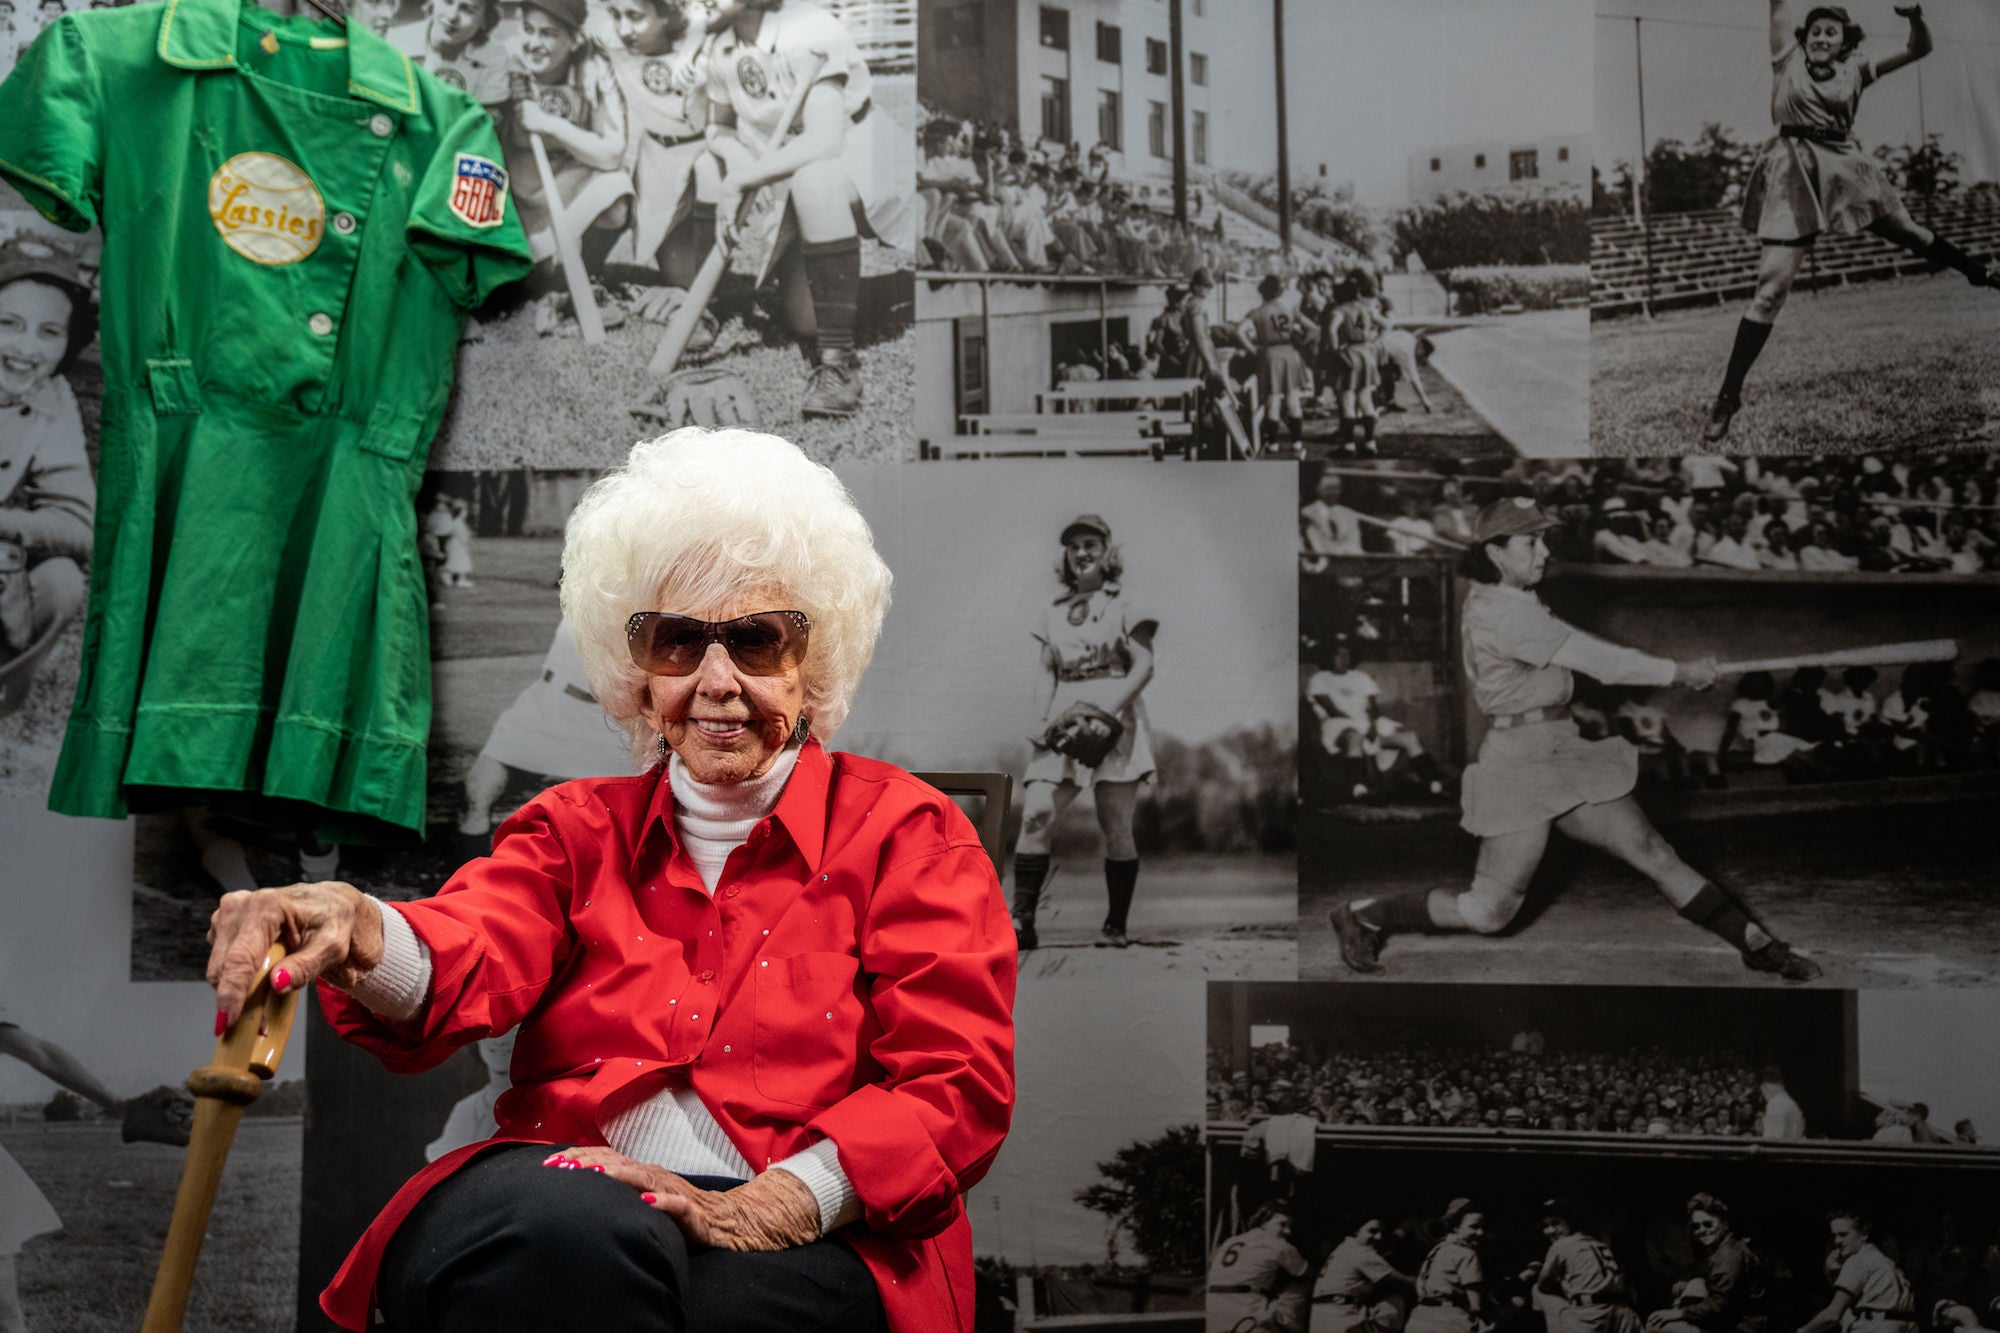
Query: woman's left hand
{"x": 776, "y": 1211}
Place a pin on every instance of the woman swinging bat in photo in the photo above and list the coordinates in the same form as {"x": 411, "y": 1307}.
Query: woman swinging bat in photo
{"x": 1098, "y": 651}
{"x": 1813, "y": 177}
{"x": 1536, "y": 773}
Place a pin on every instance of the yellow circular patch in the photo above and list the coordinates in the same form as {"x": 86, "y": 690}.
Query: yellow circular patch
{"x": 266, "y": 208}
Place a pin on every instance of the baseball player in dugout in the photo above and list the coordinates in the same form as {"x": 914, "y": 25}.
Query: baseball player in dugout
{"x": 561, "y": 87}
{"x": 817, "y": 168}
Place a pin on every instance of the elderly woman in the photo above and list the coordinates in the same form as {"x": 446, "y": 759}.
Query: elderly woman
{"x": 763, "y": 990}
{"x": 1537, "y": 774}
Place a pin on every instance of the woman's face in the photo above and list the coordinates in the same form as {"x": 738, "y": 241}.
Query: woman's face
{"x": 1708, "y": 1229}
{"x": 1520, "y": 559}
{"x": 1368, "y": 1233}
{"x": 724, "y": 724}
{"x": 1847, "y": 1237}
{"x": 34, "y": 334}
{"x": 1471, "y": 1227}
{"x": 1823, "y": 39}
{"x": 1084, "y": 553}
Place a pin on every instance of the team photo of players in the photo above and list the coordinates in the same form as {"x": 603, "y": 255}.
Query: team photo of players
{"x": 718, "y": 202}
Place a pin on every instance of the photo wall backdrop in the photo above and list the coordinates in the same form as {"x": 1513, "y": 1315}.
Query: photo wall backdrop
{"x": 1497, "y": 258}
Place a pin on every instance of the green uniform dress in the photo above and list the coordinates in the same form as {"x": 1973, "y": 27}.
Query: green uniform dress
{"x": 295, "y": 219}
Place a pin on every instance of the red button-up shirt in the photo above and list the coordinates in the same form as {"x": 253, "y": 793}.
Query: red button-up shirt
{"x": 852, "y": 978}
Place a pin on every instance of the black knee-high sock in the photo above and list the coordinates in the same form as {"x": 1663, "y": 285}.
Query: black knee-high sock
{"x": 1297, "y": 427}
{"x": 1750, "y": 338}
{"x": 1121, "y": 881}
{"x": 1714, "y": 910}
{"x": 1941, "y": 251}
{"x": 833, "y": 270}
{"x": 1030, "y": 871}
{"x": 1399, "y": 913}
{"x": 595, "y": 245}
{"x": 682, "y": 253}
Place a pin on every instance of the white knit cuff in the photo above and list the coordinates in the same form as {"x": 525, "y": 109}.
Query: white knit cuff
{"x": 396, "y": 987}
{"x": 819, "y": 1167}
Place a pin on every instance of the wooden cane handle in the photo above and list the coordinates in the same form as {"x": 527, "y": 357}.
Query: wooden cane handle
{"x": 246, "y": 1057}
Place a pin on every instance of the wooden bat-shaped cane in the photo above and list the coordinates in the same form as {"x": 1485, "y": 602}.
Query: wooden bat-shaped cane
{"x": 246, "y": 1057}
{"x": 681, "y": 327}
{"x": 1880, "y": 654}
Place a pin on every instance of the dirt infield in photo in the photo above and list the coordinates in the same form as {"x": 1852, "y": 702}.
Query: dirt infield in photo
{"x": 1885, "y": 897}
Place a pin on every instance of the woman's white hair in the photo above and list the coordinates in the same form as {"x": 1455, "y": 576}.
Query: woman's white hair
{"x": 697, "y": 519}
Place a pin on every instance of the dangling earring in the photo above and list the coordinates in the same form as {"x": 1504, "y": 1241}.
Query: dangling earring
{"x": 802, "y": 730}
{"x": 661, "y": 740}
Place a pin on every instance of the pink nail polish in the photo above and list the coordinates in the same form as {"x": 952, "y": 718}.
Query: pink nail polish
{"x": 281, "y": 980}
{"x": 552, "y": 1159}
{"x": 649, "y": 1198}
{"x": 221, "y": 1022}
{"x": 598, "y": 1169}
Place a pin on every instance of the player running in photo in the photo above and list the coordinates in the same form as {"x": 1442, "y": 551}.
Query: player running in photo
{"x": 1250, "y": 1269}
{"x": 1097, "y": 649}
{"x": 1535, "y": 773}
{"x": 1814, "y": 178}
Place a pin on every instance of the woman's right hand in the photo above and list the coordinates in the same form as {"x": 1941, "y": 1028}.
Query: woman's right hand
{"x": 329, "y": 929}
{"x": 1696, "y": 674}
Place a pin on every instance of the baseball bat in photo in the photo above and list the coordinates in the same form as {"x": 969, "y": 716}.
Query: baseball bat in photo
{"x": 246, "y": 1057}
{"x": 1880, "y": 654}
{"x": 568, "y": 252}
{"x": 1445, "y": 542}
{"x": 681, "y": 327}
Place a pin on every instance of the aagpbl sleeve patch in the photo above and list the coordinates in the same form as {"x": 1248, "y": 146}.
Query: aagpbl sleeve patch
{"x": 478, "y": 191}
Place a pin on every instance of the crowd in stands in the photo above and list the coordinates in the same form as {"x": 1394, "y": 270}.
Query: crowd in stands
{"x": 995, "y": 203}
{"x": 1531, "y": 1085}
{"x": 1878, "y": 514}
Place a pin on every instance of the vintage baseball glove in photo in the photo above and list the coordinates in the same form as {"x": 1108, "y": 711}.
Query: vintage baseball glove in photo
{"x": 1084, "y": 732}
{"x": 708, "y": 396}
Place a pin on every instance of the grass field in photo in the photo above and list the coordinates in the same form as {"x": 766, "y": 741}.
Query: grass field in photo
{"x": 115, "y": 1199}
{"x": 1908, "y": 363}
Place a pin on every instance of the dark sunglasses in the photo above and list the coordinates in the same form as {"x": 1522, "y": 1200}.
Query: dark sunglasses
{"x": 764, "y": 644}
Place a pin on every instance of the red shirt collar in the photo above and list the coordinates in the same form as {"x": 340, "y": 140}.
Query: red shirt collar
{"x": 801, "y": 810}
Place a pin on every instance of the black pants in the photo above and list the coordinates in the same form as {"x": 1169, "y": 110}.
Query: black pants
{"x": 507, "y": 1243}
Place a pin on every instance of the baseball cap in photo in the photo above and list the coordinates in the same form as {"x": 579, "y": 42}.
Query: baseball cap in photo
{"x": 570, "y": 13}
{"x": 28, "y": 255}
{"x": 1087, "y": 523}
{"x": 1510, "y": 516}
{"x": 1201, "y": 277}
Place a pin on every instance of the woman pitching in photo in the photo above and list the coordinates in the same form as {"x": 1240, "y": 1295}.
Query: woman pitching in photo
{"x": 1535, "y": 773}
{"x": 1098, "y": 651}
{"x": 1813, "y": 177}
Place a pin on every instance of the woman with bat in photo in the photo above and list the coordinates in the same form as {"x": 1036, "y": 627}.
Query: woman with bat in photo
{"x": 825, "y": 175}
{"x": 565, "y": 97}
{"x": 1098, "y": 651}
{"x": 1813, "y": 177}
{"x": 1535, "y": 773}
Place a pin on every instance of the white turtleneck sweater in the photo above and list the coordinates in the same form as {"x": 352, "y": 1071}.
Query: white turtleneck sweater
{"x": 672, "y": 1128}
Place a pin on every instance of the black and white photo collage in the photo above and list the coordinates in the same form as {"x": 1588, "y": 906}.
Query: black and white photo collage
{"x": 1451, "y": 549}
